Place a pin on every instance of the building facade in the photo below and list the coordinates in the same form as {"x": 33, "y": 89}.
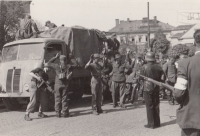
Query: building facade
{"x": 136, "y": 31}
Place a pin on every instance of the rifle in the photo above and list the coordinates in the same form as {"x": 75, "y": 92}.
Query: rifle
{"x": 169, "y": 87}
{"x": 48, "y": 87}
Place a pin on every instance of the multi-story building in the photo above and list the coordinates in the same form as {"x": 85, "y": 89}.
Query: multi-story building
{"x": 135, "y": 31}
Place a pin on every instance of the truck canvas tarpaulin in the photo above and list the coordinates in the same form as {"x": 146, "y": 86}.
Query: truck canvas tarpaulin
{"x": 80, "y": 42}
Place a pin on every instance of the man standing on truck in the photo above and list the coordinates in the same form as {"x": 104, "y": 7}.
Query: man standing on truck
{"x": 96, "y": 83}
{"x": 26, "y": 29}
{"x": 63, "y": 75}
{"x": 36, "y": 93}
{"x": 50, "y": 25}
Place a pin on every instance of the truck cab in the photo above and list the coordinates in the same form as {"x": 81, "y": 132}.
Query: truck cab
{"x": 19, "y": 58}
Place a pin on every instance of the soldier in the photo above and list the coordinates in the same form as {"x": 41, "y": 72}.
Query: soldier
{"x": 50, "y": 25}
{"x": 37, "y": 94}
{"x": 169, "y": 69}
{"x": 96, "y": 85}
{"x": 151, "y": 91}
{"x": 118, "y": 81}
{"x": 138, "y": 84}
{"x": 113, "y": 43}
{"x": 26, "y": 29}
{"x": 107, "y": 68}
{"x": 163, "y": 60}
{"x": 187, "y": 92}
{"x": 63, "y": 75}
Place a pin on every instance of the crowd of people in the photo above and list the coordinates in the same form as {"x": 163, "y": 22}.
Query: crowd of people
{"x": 121, "y": 78}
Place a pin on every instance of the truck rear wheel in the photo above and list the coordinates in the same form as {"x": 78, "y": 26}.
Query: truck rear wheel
{"x": 12, "y": 104}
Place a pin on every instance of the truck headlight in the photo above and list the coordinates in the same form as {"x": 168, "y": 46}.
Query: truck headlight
{"x": 26, "y": 87}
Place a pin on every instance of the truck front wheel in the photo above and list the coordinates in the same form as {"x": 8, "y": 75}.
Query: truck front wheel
{"x": 12, "y": 104}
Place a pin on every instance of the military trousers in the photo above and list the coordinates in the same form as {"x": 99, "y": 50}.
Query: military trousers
{"x": 133, "y": 88}
{"x": 37, "y": 95}
{"x": 152, "y": 107}
{"x": 105, "y": 89}
{"x": 118, "y": 91}
{"x": 190, "y": 132}
{"x": 61, "y": 98}
{"x": 96, "y": 90}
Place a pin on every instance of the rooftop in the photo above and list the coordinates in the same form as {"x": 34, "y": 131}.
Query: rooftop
{"x": 183, "y": 27}
{"x": 178, "y": 35}
{"x": 140, "y": 25}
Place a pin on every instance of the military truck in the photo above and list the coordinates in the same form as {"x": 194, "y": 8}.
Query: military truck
{"x": 22, "y": 56}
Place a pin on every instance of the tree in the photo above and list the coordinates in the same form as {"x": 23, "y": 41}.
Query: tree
{"x": 159, "y": 43}
{"x": 10, "y": 14}
{"x": 177, "y": 50}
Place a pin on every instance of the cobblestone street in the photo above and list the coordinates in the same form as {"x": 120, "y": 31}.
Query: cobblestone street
{"x": 117, "y": 122}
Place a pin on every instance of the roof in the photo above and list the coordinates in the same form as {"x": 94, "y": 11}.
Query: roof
{"x": 190, "y": 32}
{"x": 183, "y": 27}
{"x": 140, "y": 26}
{"x": 34, "y": 40}
{"x": 178, "y": 35}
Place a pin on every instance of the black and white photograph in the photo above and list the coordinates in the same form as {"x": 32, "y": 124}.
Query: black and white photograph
{"x": 99, "y": 67}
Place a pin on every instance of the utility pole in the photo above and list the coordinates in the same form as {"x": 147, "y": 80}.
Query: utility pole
{"x": 148, "y": 27}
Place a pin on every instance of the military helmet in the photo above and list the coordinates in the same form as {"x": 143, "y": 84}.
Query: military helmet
{"x": 150, "y": 56}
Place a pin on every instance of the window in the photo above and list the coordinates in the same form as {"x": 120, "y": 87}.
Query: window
{"x": 51, "y": 51}
{"x": 31, "y": 51}
{"x": 10, "y": 53}
{"x": 146, "y": 38}
{"x": 133, "y": 39}
{"x": 140, "y": 38}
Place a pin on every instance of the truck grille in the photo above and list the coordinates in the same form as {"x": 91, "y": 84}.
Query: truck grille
{"x": 9, "y": 81}
{"x": 16, "y": 80}
{"x": 13, "y": 78}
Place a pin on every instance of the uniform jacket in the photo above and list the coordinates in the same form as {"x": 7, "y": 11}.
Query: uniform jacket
{"x": 119, "y": 71}
{"x": 153, "y": 71}
{"x": 189, "y": 115}
{"x": 170, "y": 71}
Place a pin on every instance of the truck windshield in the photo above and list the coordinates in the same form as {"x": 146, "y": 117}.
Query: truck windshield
{"x": 10, "y": 53}
{"x": 31, "y": 51}
{"x": 23, "y": 51}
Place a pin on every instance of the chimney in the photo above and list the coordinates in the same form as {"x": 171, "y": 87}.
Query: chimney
{"x": 117, "y": 21}
{"x": 128, "y": 19}
{"x": 155, "y": 18}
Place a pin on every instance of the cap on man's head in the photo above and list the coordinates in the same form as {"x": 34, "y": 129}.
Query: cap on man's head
{"x": 62, "y": 57}
{"x": 47, "y": 22}
{"x": 96, "y": 55}
{"x": 197, "y": 31}
{"x": 117, "y": 56}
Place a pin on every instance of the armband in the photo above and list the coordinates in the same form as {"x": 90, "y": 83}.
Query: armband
{"x": 181, "y": 83}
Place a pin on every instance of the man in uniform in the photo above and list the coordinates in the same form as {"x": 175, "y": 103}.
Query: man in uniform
{"x": 37, "y": 94}
{"x": 96, "y": 84}
{"x": 151, "y": 92}
{"x": 61, "y": 84}
{"x": 26, "y": 30}
{"x": 187, "y": 92}
{"x": 50, "y": 25}
{"x": 107, "y": 68}
{"x": 163, "y": 60}
{"x": 118, "y": 80}
{"x": 113, "y": 43}
{"x": 170, "y": 71}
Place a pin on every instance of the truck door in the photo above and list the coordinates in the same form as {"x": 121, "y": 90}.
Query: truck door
{"x": 50, "y": 51}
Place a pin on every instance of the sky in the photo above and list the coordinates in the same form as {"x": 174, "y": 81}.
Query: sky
{"x": 101, "y": 14}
